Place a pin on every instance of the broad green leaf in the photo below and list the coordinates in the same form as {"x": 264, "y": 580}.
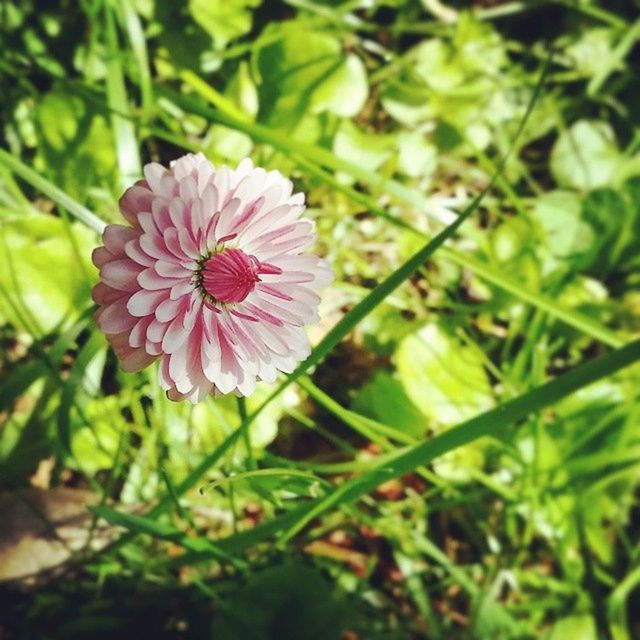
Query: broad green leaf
{"x": 567, "y": 235}
{"x": 287, "y": 602}
{"x": 586, "y": 156}
{"x": 345, "y": 91}
{"x": 511, "y": 240}
{"x": 573, "y": 628}
{"x": 455, "y": 81}
{"x": 60, "y": 120}
{"x": 94, "y": 445}
{"x": 228, "y": 144}
{"x": 76, "y": 146}
{"x": 492, "y": 621}
{"x": 589, "y": 53}
{"x": 417, "y": 158}
{"x": 443, "y": 378}
{"x": 307, "y": 72}
{"x": 243, "y": 92}
{"x": 39, "y": 270}
{"x": 360, "y": 147}
{"x": 384, "y": 399}
{"x": 223, "y": 20}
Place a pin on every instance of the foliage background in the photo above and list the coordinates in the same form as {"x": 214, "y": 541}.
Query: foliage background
{"x": 392, "y": 116}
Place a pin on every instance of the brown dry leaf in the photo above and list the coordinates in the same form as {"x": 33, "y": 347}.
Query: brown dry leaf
{"x": 356, "y": 560}
{"x": 42, "y": 476}
{"x": 42, "y": 528}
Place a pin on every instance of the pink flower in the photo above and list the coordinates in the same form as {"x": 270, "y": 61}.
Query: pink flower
{"x": 209, "y": 277}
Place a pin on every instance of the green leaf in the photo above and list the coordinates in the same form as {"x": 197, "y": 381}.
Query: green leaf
{"x": 307, "y": 72}
{"x": 417, "y": 158}
{"x": 75, "y": 145}
{"x": 230, "y": 145}
{"x": 94, "y": 445}
{"x": 589, "y": 53}
{"x": 360, "y": 147}
{"x": 345, "y": 91}
{"x": 243, "y": 92}
{"x": 455, "y": 81}
{"x": 223, "y": 20}
{"x": 385, "y": 399}
{"x": 287, "y": 602}
{"x": 559, "y": 215}
{"x": 443, "y": 378}
{"x": 573, "y": 628}
{"x": 586, "y": 156}
{"x": 39, "y": 272}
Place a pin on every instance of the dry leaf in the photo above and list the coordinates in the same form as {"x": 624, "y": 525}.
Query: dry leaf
{"x": 42, "y": 528}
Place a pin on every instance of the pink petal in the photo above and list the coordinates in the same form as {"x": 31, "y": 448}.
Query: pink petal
{"x": 138, "y": 334}
{"x": 121, "y": 274}
{"x": 116, "y": 236}
{"x": 136, "y": 199}
{"x": 144, "y": 303}
{"x": 114, "y": 318}
{"x": 100, "y": 255}
{"x": 137, "y": 360}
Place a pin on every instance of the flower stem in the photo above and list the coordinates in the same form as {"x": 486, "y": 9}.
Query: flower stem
{"x": 242, "y": 411}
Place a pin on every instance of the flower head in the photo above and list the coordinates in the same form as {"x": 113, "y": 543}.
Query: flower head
{"x": 210, "y": 277}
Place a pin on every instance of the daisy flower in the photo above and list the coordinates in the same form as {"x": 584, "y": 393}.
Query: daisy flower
{"x": 210, "y": 277}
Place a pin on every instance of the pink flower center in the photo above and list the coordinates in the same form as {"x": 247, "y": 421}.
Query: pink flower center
{"x": 231, "y": 275}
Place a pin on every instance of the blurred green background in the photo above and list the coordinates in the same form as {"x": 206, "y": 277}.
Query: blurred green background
{"x": 391, "y": 116}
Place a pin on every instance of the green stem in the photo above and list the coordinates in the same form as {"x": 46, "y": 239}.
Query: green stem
{"x": 246, "y": 436}
{"x": 49, "y": 189}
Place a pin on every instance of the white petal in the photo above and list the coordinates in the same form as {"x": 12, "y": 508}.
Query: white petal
{"x": 150, "y": 279}
{"x": 171, "y": 269}
{"x": 188, "y": 189}
{"x": 153, "y": 172}
{"x": 226, "y": 217}
{"x": 168, "y": 310}
{"x": 175, "y": 336}
{"x": 136, "y": 253}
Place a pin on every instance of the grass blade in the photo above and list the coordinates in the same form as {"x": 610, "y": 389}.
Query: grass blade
{"x": 50, "y": 190}
{"x": 123, "y": 127}
{"x": 492, "y": 423}
{"x": 139, "y": 524}
{"x": 138, "y": 43}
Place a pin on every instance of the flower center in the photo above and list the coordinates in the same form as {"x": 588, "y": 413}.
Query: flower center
{"x": 230, "y": 275}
